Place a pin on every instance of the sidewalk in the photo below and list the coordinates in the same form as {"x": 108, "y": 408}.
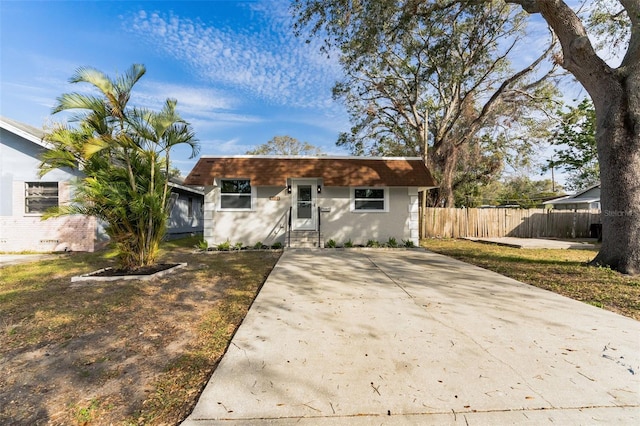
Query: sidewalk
{"x": 537, "y": 243}
{"x": 17, "y": 259}
{"x": 412, "y": 337}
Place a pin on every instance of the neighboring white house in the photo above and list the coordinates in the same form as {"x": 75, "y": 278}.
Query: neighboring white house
{"x": 306, "y": 201}
{"x": 587, "y": 199}
{"x": 24, "y": 196}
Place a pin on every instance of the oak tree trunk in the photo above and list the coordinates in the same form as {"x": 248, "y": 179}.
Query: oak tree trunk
{"x": 616, "y": 96}
{"x": 445, "y": 190}
{"x": 619, "y": 155}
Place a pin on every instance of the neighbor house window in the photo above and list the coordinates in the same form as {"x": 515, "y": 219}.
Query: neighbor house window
{"x": 39, "y": 196}
{"x": 235, "y": 194}
{"x": 369, "y": 200}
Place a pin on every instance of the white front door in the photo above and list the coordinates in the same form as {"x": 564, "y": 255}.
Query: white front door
{"x": 303, "y": 201}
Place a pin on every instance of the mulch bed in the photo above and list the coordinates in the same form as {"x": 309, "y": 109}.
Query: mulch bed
{"x": 145, "y": 270}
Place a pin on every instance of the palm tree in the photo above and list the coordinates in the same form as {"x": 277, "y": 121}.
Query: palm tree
{"x": 156, "y": 133}
{"x": 124, "y": 154}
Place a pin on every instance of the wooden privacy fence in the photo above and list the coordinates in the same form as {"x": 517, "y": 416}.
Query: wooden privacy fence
{"x": 523, "y": 223}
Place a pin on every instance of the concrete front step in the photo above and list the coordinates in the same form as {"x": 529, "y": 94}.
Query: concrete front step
{"x": 306, "y": 239}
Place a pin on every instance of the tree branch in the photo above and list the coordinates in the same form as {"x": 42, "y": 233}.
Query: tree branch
{"x": 579, "y": 56}
{"x": 632, "y": 57}
{"x": 492, "y": 102}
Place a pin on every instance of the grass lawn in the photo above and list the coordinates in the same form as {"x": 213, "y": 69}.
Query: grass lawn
{"x": 140, "y": 352}
{"x": 561, "y": 271}
{"x": 121, "y": 352}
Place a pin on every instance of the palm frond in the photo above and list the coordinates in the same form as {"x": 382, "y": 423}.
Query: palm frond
{"x": 124, "y": 84}
{"x": 95, "y": 145}
{"x": 69, "y": 101}
{"x": 131, "y": 77}
{"x": 94, "y": 77}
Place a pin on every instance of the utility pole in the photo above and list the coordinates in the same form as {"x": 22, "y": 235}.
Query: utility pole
{"x": 425, "y": 152}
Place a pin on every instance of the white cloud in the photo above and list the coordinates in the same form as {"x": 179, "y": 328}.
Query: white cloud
{"x": 267, "y": 62}
{"x": 222, "y": 147}
{"x": 189, "y": 97}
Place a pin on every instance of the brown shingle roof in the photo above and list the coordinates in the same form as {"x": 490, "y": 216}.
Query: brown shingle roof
{"x": 334, "y": 171}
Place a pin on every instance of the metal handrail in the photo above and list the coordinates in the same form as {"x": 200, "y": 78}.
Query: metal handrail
{"x": 289, "y": 230}
{"x": 319, "y": 228}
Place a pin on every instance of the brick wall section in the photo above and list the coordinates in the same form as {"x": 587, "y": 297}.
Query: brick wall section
{"x": 30, "y": 233}
{"x": 22, "y": 232}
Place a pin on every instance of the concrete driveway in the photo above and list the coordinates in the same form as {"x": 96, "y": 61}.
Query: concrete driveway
{"x": 411, "y": 337}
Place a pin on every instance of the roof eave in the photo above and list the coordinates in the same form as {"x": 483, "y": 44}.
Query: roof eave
{"x": 186, "y": 188}
{"x": 24, "y": 134}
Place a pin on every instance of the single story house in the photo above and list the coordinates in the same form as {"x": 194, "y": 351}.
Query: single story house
{"x": 24, "y": 196}
{"x": 306, "y": 201}
{"x": 587, "y": 199}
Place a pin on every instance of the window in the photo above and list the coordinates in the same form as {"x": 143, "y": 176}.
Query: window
{"x": 369, "y": 199}
{"x": 235, "y": 194}
{"x": 39, "y": 196}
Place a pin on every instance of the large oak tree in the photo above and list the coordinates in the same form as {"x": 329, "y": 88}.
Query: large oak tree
{"x": 615, "y": 91}
{"x": 285, "y": 145}
{"x": 437, "y": 85}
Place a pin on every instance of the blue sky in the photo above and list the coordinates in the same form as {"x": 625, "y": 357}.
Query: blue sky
{"x": 239, "y": 74}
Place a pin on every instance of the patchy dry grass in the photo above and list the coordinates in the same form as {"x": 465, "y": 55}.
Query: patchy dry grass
{"x": 561, "y": 271}
{"x": 122, "y": 352}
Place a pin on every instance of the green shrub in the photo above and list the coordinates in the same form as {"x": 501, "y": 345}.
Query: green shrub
{"x": 408, "y": 243}
{"x": 202, "y": 245}
{"x": 373, "y": 243}
{"x": 349, "y": 243}
{"x": 330, "y": 244}
{"x": 277, "y": 245}
{"x": 258, "y": 245}
{"x": 226, "y": 246}
{"x": 392, "y": 242}
{"x": 238, "y": 246}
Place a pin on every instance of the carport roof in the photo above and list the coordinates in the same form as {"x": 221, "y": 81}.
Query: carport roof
{"x": 334, "y": 171}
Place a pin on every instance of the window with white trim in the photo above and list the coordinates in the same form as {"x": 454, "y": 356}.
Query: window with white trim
{"x": 40, "y": 196}
{"x": 235, "y": 194}
{"x": 369, "y": 200}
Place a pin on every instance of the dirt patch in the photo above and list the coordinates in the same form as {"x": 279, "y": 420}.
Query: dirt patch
{"x": 120, "y": 352}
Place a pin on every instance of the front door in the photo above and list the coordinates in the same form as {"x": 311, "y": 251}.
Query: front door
{"x": 304, "y": 204}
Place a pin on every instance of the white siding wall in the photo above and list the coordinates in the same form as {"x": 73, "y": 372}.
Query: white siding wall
{"x": 267, "y": 222}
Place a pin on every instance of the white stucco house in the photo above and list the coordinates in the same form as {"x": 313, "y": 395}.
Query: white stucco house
{"x": 306, "y": 201}
{"x": 24, "y": 196}
{"x": 587, "y": 199}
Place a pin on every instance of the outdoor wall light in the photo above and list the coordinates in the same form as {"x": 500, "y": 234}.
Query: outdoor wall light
{"x": 319, "y": 189}
{"x": 288, "y": 189}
